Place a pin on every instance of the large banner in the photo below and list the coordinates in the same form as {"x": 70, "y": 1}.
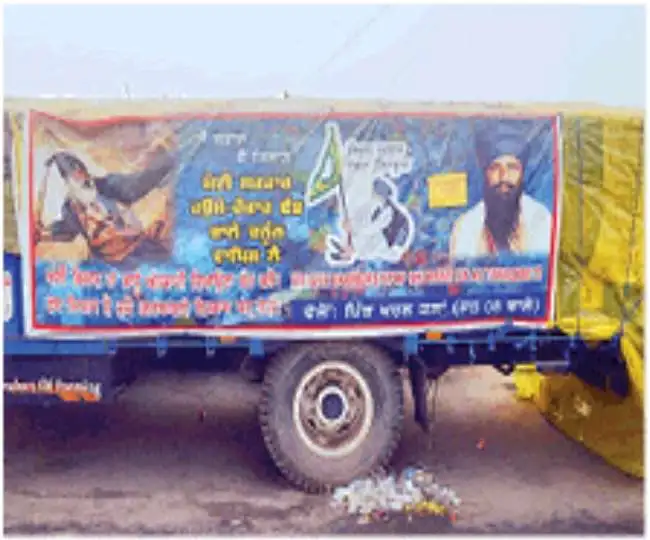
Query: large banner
{"x": 289, "y": 225}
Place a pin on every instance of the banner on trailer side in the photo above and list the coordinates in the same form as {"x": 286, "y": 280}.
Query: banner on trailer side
{"x": 289, "y": 225}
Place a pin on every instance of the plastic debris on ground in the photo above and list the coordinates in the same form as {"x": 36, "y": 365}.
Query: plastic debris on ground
{"x": 415, "y": 492}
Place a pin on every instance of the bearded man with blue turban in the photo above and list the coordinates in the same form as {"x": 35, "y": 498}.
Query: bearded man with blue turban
{"x": 507, "y": 220}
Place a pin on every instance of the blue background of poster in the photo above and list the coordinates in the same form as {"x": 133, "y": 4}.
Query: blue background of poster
{"x": 437, "y": 145}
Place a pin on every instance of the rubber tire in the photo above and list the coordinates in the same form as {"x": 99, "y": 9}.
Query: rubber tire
{"x": 297, "y": 463}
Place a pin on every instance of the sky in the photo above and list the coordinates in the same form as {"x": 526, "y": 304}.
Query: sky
{"x": 552, "y": 53}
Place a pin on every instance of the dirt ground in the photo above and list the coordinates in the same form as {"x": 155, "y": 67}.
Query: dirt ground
{"x": 154, "y": 467}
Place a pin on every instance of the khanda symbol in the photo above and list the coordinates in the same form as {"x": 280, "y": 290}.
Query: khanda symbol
{"x": 379, "y": 228}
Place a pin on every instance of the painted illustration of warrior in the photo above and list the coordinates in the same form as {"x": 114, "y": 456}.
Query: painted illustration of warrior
{"x": 100, "y": 210}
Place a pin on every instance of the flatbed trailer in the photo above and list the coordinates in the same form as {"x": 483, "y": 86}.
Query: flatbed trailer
{"x": 332, "y": 402}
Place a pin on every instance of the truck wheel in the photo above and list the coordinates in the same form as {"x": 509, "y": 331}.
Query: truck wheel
{"x": 331, "y": 412}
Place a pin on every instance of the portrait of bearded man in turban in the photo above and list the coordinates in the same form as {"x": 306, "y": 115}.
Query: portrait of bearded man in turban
{"x": 507, "y": 220}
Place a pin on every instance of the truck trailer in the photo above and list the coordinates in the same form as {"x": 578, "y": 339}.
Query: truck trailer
{"x": 343, "y": 247}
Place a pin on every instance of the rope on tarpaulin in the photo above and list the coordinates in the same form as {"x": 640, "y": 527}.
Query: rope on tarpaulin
{"x": 581, "y": 210}
{"x": 625, "y": 312}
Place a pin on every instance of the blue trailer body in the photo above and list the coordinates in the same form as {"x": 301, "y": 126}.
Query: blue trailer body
{"x": 29, "y": 360}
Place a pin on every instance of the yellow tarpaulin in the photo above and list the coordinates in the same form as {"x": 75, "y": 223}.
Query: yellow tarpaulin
{"x": 600, "y": 286}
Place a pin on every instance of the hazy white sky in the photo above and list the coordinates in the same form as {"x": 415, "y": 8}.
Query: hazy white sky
{"x": 435, "y": 52}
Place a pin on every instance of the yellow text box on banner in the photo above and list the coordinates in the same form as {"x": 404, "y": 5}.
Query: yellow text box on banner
{"x": 447, "y": 190}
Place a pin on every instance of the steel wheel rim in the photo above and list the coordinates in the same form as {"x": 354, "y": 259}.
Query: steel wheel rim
{"x": 340, "y": 436}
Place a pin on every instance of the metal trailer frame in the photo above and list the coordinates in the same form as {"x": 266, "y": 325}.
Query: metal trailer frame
{"x": 425, "y": 356}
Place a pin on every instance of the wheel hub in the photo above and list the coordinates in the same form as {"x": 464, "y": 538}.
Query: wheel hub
{"x": 333, "y": 409}
{"x": 333, "y": 405}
